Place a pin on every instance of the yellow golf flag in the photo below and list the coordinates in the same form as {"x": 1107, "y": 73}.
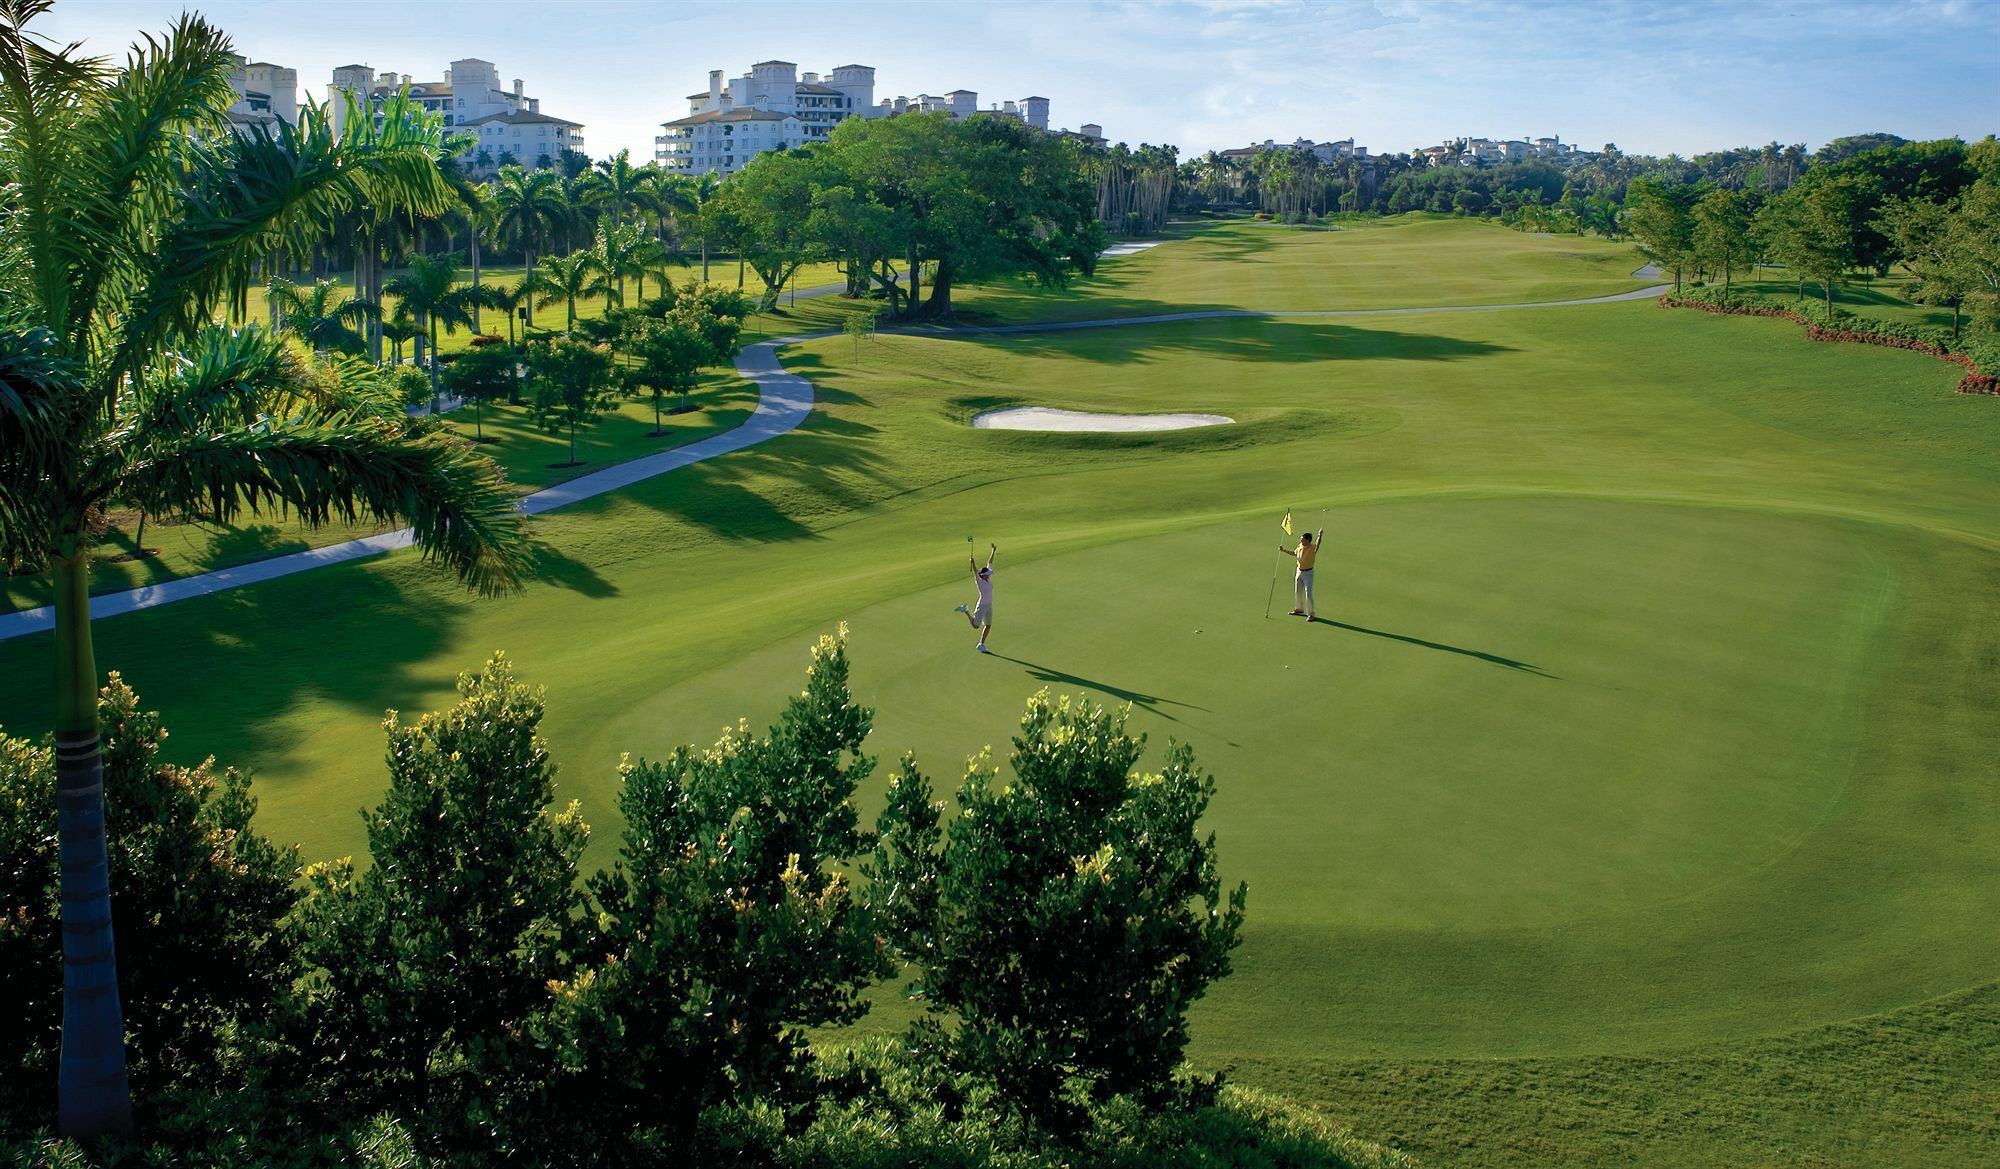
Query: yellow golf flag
{"x": 1286, "y": 523}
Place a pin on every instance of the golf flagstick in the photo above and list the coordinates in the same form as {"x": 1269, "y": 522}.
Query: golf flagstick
{"x": 1276, "y": 563}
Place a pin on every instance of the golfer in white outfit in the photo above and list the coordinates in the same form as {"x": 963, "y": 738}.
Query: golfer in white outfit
{"x": 981, "y": 613}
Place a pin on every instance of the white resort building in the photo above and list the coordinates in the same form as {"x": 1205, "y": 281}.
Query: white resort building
{"x": 266, "y": 94}
{"x": 1494, "y": 151}
{"x": 769, "y": 108}
{"x": 507, "y": 125}
{"x": 772, "y": 107}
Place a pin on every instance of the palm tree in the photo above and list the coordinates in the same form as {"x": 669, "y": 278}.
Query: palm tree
{"x": 581, "y": 196}
{"x": 429, "y": 291}
{"x": 620, "y": 251}
{"x": 692, "y": 193}
{"x": 132, "y": 213}
{"x": 530, "y": 207}
{"x": 567, "y": 278}
{"x": 322, "y": 316}
{"x": 511, "y": 298}
{"x": 619, "y": 185}
{"x": 398, "y": 331}
{"x": 475, "y": 210}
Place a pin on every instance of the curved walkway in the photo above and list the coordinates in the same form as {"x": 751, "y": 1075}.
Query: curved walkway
{"x": 783, "y": 401}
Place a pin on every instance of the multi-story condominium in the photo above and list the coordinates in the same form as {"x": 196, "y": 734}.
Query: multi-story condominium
{"x": 1494, "y": 151}
{"x": 773, "y": 108}
{"x": 266, "y": 94}
{"x": 506, "y": 125}
{"x": 1323, "y": 151}
{"x": 769, "y": 108}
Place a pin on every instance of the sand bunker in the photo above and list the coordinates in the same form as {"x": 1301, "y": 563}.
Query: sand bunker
{"x": 1041, "y": 418}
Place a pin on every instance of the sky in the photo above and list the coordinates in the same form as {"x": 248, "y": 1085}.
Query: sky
{"x": 1682, "y": 76}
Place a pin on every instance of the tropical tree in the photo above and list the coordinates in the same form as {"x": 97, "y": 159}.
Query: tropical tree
{"x": 1721, "y": 233}
{"x": 671, "y": 351}
{"x": 574, "y": 384}
{"x": 1810, "y": 229}
{"x": 132, "y": 213}
{"x": 476, "y": 211}
{"x": 480, "y": 375}
{"x": 620, "y": 250}
{"x": 322, "y": 316}
{"x": 1068, "y": 918}
{"x": 512, "y": 298}
{"x": 620, "y": 186}
{"x": 1660, "y": 217}
{"x": 691, "y": 196}
{"x": 528, "y": 210}
{"x": 429, "y": 292}
{"x": 399, "y": 330}
{"x": 567, "y": 278}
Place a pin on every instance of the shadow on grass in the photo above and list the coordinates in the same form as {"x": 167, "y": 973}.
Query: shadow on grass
{"x": 1250, "y": 338}
{"x": 229, "y": 671}
{"x": 546, "y": 565}
{"x": 229, "y": 545}
{"x": 1406, "y": 639}
{"x": 1152, "y": 702}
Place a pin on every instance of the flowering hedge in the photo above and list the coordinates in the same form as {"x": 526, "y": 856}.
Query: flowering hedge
{"x": 1980, "y": 359}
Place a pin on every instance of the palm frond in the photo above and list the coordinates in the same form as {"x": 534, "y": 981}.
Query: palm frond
{"x": 43, "y": 94}
{"x": 263, "y": 192}
{"x": 346, "y": 467}
{"x": 219, "y": 377}
{"x": 34, "y": 412}
{"x": 137, "y": 138}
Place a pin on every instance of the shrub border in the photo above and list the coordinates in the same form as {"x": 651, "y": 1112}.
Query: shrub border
{"x": 1974, "y": 382}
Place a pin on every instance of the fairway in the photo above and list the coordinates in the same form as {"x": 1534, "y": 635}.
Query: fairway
{"x": 1650, "y": 715}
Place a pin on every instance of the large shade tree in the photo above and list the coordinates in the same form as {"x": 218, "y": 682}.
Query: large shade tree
{"x": 132, "y": 213}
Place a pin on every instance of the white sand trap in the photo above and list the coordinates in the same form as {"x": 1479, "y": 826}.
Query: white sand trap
{"x": 1042, "y": 418}
{"x": 1131, "y": 247}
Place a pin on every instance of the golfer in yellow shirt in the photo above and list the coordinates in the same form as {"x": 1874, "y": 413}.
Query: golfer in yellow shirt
{"x": 1302, "y": 585}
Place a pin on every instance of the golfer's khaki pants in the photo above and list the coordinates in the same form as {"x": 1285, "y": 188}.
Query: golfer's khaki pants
{"x": 1302, "y": 591}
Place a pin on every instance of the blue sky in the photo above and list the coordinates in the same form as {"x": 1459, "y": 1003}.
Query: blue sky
{"x": 1202, "y": 74}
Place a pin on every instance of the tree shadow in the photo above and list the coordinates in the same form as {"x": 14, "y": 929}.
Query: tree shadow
{"x": 547, "y": 565}
{"x": 1152, "y": 702}
{"x": 1406, "y": 639}
{"x": 1249, "y": 337}
{"x": 229, "y": 671}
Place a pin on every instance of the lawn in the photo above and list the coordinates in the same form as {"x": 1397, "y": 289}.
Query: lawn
{"x": 1632, "y": 803}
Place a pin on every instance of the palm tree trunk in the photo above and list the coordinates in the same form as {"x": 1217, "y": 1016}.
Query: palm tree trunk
{"x": 529, "y": 302}
{"x": 93, "y": 1096}
{"x": 704, "y": 259}
{"x": 472, "y": 235}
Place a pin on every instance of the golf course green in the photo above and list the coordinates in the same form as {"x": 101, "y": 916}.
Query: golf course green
{"x": 1631, "y": 801}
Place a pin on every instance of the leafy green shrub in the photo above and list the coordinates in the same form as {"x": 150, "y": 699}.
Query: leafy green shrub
{"x": 1074, "y": 914}
{"x": 412, "y": 384}
{"x": 430, "y": 962}
{"x": 197, "y": 896}
{"x": 729, "y": 927}
{"x": 882, "y": 1108}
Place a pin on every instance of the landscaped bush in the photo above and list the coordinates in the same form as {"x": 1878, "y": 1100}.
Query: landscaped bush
{"x": 463, "y": 1001}
{"x": 1064, "y": 925}
{"x": 197, "y": 897}
{"x": 430, "y": 963}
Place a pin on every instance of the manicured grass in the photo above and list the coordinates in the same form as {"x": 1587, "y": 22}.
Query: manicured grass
{"x": 1634, "y": 805}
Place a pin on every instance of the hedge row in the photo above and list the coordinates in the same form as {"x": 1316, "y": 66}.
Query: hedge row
{"x": 1981, "y": 362}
